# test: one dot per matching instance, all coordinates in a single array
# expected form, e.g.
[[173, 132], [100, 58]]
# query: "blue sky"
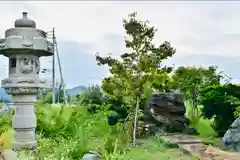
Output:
[[202, 32]]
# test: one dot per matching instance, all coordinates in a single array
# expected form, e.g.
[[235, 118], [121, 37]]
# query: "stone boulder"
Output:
[[92, 155], [8, 155], [231, 138], [166, 111]]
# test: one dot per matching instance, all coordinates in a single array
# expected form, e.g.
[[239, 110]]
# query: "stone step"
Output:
[[188, 142], [182, 139], [196, 148]]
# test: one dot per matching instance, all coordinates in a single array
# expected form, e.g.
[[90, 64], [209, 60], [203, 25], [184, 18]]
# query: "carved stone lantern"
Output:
[[24, 45]]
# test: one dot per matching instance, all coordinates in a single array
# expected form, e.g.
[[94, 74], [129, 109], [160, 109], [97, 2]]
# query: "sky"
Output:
[[202, 32]]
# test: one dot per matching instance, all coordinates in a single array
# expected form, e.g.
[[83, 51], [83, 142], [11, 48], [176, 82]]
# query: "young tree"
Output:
[[133, 74]]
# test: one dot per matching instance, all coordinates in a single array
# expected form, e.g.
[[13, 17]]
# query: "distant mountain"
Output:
[[74, 91]]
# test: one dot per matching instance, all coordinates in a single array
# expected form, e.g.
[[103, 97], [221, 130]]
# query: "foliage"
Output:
[[220, 103], [190, 80], [237, 112], [93, 95], [71, 132], [6, 132], [93, 98], [5, 122], [162, 82], [118, 106], [47, 99], [5, 140], [133, 74]]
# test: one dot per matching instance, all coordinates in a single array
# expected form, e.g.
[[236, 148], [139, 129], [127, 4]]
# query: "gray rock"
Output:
[[8, 155], [91, 156], [231, 138], [167, 112]]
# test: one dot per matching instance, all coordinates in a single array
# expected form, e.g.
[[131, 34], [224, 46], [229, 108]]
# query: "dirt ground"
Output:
[[195, 147]]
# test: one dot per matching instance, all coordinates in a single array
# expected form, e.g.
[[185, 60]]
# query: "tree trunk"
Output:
[[135, 123]]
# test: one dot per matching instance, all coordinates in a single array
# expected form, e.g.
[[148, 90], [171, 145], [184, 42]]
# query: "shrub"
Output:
[[220, 102], [94, 99]]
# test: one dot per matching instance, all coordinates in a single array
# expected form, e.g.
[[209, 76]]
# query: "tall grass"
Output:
[[70, 132], [203, 126]]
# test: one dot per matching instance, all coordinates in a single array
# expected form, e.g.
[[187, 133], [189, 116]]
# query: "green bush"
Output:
[[161, 141], [219, 103], [94, 99]]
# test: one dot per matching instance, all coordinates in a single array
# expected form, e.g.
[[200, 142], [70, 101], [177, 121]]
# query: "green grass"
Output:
[[202, 125], [155, 150]]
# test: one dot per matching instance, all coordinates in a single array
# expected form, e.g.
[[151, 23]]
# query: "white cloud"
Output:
[[84, 21]]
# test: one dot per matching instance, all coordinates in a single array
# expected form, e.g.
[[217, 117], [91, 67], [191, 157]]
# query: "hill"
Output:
[[76, 90]]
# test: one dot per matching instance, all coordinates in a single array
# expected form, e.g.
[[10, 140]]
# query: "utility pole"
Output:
[[53, 69], [62, 84]]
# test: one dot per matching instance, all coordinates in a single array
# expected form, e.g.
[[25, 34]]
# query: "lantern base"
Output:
[[30, 145]]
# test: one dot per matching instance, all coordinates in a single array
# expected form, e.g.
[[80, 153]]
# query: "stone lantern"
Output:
[[24, 45]]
